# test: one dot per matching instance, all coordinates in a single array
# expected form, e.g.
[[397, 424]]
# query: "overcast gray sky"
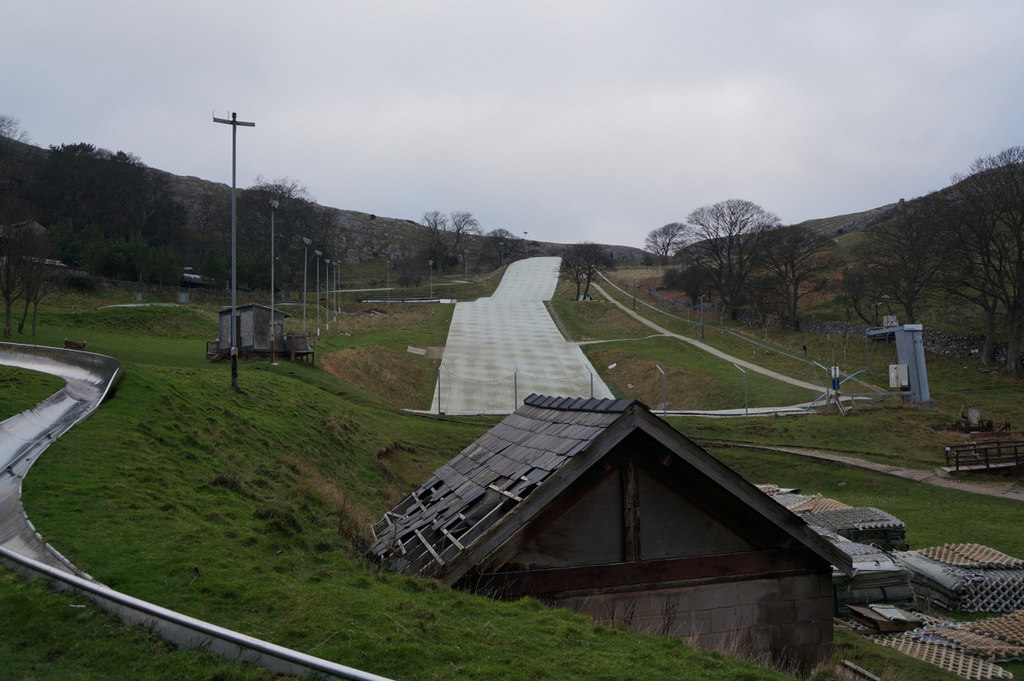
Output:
[[576, 120]]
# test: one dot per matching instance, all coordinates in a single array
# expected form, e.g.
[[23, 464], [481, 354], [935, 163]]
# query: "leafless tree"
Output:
[[729, 238], [462, 225], [580, 264], [988, 240], [10, 128], [435, 237], [666, 240], [38, 275], [792, 257], [906, 256], [446, 237], [15, 254]]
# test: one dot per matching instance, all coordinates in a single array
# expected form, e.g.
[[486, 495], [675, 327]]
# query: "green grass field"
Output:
[[252, 510]]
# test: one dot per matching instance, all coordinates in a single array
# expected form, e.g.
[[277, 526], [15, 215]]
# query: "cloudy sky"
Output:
[[574, 120]]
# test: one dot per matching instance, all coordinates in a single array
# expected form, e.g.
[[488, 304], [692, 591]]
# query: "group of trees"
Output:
[[112, 216], [25, 248], [580, 264], [739, 253], [965, 242], [104, 211], [456, 242]]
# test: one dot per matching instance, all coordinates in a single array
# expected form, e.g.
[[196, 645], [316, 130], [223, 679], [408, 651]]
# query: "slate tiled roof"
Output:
[[467, 495], [434, 532]]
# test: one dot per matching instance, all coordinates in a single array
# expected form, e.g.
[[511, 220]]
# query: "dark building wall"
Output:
[[787, 617]]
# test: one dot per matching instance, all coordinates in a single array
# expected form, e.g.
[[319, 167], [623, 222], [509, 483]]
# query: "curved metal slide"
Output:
[[89, 380]]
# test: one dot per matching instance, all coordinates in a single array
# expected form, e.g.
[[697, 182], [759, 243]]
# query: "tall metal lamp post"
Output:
[[431, 278], [273, 326], [234, 123], [701, 297], [337, 288], [305, 261], [327, 292], [317, 253]]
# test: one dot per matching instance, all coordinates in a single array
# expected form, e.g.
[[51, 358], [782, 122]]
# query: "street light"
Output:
[[431, 278], [702, 316], [387, 281], [273, 328], [317, 253], [234, 123], [337, 286]]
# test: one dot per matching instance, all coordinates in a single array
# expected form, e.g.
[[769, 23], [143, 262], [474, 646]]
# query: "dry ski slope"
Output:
[[501, 349]]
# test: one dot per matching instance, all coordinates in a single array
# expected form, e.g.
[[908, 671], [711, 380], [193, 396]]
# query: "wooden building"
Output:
[[253, 328], [601, 507]]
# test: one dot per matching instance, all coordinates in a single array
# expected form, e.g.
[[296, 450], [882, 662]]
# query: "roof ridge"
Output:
[[592, 404]]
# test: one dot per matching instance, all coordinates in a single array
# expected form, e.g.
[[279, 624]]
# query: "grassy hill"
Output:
[[251, 510]]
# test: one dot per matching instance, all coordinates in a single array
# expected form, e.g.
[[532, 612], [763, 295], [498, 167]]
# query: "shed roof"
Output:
[[485, 494], [278, 312]]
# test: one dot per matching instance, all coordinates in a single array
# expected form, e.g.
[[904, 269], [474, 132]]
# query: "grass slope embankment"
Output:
[[250, 510]]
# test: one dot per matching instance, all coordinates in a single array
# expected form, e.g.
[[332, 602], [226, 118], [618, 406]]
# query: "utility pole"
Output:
[[273, 327], [234, 123], [305, 261], [317, 253]]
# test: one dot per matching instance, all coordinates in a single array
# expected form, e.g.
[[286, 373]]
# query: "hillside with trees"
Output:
[[953, 259]]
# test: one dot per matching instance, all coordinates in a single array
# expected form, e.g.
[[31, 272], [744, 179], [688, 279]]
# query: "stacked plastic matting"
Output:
[[877, 577], [966, 578], [968, 649]]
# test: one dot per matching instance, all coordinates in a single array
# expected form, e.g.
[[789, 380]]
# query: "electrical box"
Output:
[[899, 377]]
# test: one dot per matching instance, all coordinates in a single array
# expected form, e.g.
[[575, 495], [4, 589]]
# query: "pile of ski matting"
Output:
[[877, 577], [968, 649], [966, 578]]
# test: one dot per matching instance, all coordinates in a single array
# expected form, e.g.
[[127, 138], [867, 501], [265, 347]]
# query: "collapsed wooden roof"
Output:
[[474, 503]]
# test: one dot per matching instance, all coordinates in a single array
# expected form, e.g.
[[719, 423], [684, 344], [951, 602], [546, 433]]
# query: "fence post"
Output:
[[439, 387], [515, 387]]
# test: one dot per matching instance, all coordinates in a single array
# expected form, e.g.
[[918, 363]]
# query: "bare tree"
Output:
[[10, 128], [580, 264], [988, 240], [38, 274], [436, 237], [462, 225], [906, 256], [730, 236], [666, 240], [15, 254], [793, 256]]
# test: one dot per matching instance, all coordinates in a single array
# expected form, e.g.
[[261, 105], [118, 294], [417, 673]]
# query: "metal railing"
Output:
[[985, 455]]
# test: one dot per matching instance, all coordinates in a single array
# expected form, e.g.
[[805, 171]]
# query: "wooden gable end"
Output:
[[639, 505], [645, 516]]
